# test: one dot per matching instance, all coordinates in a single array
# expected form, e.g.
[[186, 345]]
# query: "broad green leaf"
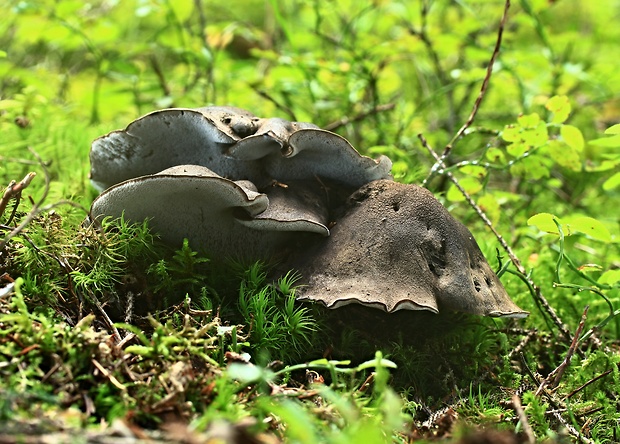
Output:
[[3, 54], [475, 171], [605, 165], [612, 182], [182, 9], [470, 184], [592, 227], [614, 129], [610, 277], [529, 120], [10, 104], [560, 107], [532, 167], [545, 222], [536, 136], [517, 149], [607, 142], [490, 205], [247, 373], [511, 133], [496, 155], [373, 364], [572, 136], [564, 155]]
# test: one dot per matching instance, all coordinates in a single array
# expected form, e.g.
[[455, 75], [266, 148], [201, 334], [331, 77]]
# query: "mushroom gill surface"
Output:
[[396, 247], [213, 213], [234, 144], [171, 137]]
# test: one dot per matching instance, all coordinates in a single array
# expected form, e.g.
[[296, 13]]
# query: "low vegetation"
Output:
[[508, 113]]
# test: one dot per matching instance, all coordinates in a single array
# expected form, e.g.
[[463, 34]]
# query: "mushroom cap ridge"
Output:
[[396, 247]]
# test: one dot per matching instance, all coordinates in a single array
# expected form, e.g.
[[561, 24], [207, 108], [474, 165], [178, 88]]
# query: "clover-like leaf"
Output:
[[529, 120]]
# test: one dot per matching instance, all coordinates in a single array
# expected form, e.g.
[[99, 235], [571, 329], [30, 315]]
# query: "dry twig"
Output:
[[37, 208], [483, 89], [553, 379], [527, 428], [591, 381], [361, 116], [14, 190], [513, 257]]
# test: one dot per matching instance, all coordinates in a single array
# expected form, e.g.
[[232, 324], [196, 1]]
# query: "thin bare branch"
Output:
[[14, 190], [591, 381], [483, 89], [361, 116], [527, 428], [513, 257]]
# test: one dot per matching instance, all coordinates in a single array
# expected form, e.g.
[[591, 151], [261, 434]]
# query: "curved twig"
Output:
[[483, 89]]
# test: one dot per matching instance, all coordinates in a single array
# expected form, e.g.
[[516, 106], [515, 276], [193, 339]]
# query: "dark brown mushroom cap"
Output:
[[215, 214], [396, 247]]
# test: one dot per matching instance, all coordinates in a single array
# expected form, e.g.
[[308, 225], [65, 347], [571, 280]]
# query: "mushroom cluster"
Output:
[[236, 185]]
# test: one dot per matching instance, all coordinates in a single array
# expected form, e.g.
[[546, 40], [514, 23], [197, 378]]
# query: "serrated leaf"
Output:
[[610, 277], [592, 227], [560, 107], [545, 222], [572, 136], [614, 129], [612, 182]]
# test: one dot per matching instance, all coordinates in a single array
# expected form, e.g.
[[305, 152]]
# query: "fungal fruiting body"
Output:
[[250, 188]]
